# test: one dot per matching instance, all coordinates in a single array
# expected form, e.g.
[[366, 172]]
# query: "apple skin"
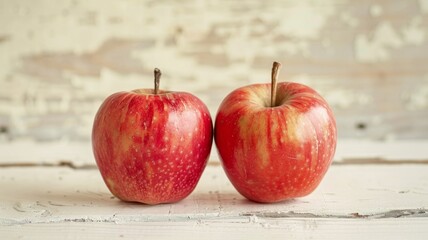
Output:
[[271, 154], [152, 148]]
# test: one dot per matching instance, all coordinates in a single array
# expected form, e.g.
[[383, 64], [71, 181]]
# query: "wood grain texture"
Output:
[[294, 228], [78, 155], [59, 61], [373, 190], [41, 202]]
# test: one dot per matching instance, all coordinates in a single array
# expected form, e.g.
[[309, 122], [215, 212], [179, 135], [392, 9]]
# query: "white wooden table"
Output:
[[375, 190]]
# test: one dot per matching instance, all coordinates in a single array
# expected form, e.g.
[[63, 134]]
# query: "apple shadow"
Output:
[[231, 199], [60, 198]]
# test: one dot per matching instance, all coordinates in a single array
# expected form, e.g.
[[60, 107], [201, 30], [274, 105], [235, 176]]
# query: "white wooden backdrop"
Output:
[[59, 60]]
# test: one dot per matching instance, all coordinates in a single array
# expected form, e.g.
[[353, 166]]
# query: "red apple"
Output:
[[275, 141], [151, 146]]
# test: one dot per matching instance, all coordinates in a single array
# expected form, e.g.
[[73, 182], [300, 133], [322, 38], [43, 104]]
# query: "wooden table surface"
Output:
[[376, 190]]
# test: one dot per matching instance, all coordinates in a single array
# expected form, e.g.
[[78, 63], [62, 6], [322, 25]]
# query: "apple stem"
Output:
[[275, 70], [158, 74]]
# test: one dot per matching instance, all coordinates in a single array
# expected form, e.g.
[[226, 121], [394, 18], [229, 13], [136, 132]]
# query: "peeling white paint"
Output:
[[376, 10], [293, 48], [415, 32], [424, 5], [418, 98], [378, 47], [206, 48], [305, 19], [349, 19], [342, 98]]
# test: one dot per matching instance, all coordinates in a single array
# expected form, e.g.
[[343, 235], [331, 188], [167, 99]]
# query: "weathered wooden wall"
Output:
[[60, 59]]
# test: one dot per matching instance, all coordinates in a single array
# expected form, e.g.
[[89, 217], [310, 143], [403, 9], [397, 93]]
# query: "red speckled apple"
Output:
[[275, 141], [151, 146]]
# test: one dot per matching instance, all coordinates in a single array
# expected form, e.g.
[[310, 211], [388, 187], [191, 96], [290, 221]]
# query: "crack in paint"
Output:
[[381, 215], [345, 161], [252, 217], [378, 161], [62, 163]]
